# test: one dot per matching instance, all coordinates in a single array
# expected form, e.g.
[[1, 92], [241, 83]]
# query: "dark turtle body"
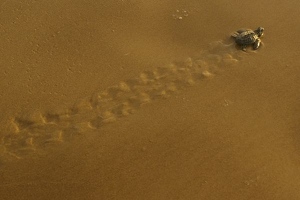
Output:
[[245, 37]]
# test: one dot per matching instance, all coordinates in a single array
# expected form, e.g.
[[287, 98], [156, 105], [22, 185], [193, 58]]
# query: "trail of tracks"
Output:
[[33, 131]]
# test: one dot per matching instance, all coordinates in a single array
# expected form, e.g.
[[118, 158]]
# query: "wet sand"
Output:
[[135, 100]]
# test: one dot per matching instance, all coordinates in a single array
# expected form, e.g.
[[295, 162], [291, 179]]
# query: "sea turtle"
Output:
[[245, 37]]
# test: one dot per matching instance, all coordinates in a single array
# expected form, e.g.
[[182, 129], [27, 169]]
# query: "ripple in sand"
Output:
[[30, 133]]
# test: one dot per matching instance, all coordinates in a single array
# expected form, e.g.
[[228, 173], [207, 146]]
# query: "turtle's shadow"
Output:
[[249, 48]]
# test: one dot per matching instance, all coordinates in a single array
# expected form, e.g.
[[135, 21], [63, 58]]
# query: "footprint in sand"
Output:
[[32, 132]]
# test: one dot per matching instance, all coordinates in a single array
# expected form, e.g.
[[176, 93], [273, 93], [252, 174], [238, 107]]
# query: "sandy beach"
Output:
[[130, 99]]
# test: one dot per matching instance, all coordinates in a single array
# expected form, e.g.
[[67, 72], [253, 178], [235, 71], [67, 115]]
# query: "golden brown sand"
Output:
[[148, 100]]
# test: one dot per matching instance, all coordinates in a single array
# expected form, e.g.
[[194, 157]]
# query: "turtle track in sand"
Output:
[[32, 132]]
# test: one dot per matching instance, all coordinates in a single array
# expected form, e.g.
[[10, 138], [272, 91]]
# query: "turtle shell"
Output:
[[246, 37]]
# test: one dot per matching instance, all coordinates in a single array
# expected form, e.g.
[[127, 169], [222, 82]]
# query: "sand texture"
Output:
[[148, 100], [32, 131]]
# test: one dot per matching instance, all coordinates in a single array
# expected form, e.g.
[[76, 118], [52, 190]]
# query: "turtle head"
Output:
[[259, 31]]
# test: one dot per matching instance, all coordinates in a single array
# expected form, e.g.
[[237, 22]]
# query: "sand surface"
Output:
[[129, 99]]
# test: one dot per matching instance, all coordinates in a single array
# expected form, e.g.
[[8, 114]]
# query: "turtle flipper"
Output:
[[244, 47], [243, 30], [256, 44], [235, 34]]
